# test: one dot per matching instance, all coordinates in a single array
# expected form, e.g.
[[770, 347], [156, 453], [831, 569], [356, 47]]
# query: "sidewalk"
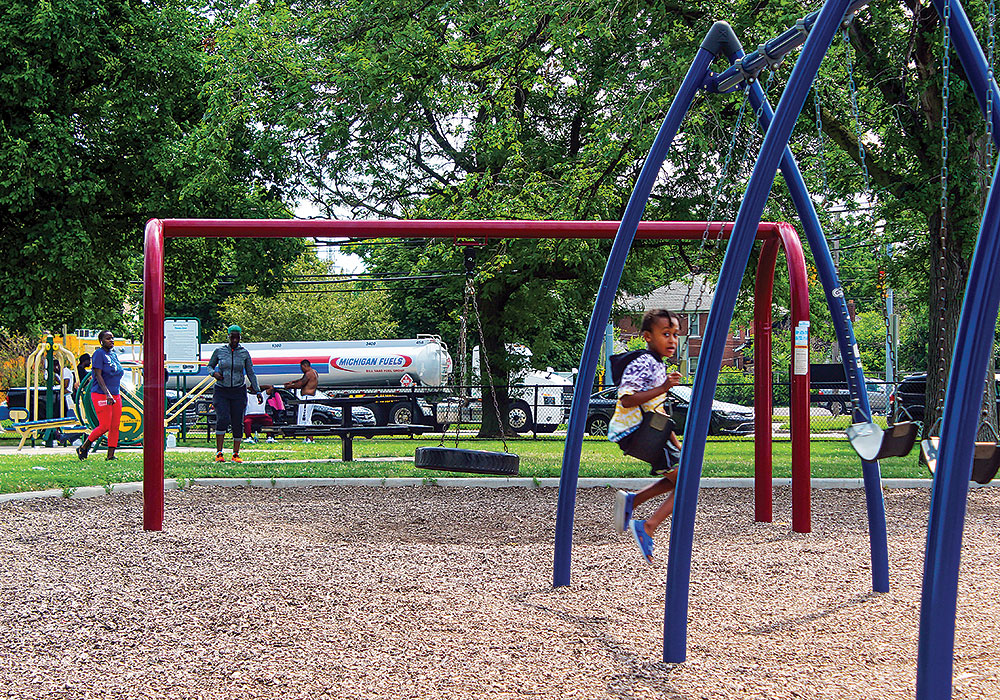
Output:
[[449, 482]]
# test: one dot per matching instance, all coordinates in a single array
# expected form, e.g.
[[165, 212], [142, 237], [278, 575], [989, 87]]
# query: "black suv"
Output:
[[908, 398], [907, 401], [726, 418]]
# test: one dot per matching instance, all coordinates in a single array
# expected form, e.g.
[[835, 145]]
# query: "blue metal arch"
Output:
[[960, 418]]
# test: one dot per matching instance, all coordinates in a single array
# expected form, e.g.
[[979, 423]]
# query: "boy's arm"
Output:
[[641, 397]]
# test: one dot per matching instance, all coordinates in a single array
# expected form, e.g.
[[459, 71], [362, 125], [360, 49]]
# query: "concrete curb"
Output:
[[450, 482]]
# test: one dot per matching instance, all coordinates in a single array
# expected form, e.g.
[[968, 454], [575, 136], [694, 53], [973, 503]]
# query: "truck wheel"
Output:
[[401, 413], [597, 425], [520, 417], [836, 408]]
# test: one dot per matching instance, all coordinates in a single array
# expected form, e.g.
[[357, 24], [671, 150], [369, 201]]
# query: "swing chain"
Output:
[[462, 401], [822, 145], [942, 231], [723, 176], [486, 364], [848, 52], [991, 45]]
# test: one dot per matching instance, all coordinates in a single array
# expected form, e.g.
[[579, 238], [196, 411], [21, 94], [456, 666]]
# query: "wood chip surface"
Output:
[[432, 592]]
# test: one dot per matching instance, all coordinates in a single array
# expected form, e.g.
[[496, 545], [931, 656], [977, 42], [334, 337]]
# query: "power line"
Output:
[[345, 291], [375, 279]]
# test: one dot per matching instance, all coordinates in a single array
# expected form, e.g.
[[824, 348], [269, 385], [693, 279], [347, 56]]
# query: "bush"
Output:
[[14, 351], [735, 386]]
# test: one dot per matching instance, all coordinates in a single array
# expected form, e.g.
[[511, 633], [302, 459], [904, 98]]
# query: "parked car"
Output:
[[726, 418], [909, 398], [838, 400]]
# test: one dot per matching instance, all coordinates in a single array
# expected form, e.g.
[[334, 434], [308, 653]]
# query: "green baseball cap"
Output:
[[235, 329]]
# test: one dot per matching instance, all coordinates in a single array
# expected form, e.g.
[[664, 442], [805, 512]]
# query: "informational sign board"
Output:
[[801, 359], [182, 344]]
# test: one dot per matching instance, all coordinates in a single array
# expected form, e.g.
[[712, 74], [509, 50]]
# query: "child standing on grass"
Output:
[[643, 388]]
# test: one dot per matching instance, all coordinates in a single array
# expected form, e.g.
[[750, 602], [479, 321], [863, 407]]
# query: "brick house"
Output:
[[692, 302]]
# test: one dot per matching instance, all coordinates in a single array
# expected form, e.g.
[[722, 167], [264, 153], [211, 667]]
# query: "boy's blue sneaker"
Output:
[[643, 541], [623, 510]]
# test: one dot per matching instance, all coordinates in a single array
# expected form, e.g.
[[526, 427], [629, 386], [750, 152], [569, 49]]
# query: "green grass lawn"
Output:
[[33, 470]]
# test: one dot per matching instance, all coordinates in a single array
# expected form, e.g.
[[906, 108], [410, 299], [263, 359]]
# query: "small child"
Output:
[[643, 387]]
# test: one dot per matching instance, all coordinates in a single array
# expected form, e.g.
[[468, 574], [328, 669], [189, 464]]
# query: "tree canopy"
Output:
[[97, 119], [297, 312], [116, 112]]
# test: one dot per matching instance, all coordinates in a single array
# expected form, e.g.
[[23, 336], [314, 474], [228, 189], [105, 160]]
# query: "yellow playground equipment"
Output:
[[130, 429], [41, 355]]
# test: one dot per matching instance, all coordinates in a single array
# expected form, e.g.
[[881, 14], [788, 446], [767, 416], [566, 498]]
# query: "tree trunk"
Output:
[[948, 271], [494, 369]]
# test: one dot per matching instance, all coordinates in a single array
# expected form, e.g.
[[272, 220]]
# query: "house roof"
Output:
[[683, 296]]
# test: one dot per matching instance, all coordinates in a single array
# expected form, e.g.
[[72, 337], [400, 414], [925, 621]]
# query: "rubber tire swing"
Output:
[[453, 459]]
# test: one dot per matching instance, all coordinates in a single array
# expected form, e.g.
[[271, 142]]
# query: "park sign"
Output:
[[182, 345]]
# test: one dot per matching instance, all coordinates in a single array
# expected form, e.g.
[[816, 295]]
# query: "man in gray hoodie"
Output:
[[231, 366]]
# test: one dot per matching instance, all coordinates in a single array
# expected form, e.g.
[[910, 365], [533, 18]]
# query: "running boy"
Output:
[[643, 387]]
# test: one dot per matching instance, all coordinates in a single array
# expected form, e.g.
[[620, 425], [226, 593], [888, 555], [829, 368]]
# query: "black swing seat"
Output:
[[985, 459], [872, 443], [453, 459]]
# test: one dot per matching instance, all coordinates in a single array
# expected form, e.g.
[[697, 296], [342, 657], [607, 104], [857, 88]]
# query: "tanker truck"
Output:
[[396, 374], [400, 376]]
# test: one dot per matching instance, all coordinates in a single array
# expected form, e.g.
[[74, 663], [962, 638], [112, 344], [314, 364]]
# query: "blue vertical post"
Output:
[[602, 311], [720, 317], [960, 418], [973, 343], [877, 537]]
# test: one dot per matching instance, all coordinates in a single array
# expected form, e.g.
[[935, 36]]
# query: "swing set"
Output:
[[774, 237], [974, 338]]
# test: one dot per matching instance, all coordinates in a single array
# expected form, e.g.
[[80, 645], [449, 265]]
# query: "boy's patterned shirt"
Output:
[[641, 374]]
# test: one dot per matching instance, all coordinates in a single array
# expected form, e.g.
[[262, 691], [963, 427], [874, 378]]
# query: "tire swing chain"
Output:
[[456, 459], [471, 293]]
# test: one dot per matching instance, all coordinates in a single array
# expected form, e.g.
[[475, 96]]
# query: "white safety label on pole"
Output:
[[801, 348]]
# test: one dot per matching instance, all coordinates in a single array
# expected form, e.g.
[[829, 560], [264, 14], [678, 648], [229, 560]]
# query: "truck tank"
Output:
[[353, 363]]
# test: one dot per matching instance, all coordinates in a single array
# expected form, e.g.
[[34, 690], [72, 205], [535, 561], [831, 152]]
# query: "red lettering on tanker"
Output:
[[383, 363]]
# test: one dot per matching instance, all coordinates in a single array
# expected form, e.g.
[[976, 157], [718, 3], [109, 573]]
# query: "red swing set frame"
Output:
[[773, 236]]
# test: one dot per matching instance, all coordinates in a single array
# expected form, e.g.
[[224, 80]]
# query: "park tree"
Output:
[[477, 111], [894, 56], [300, 311], [97, 120]]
